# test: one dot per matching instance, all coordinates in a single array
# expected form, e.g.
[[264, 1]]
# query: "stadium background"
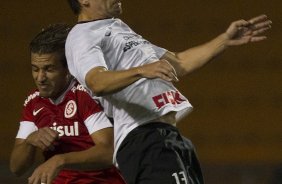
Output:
[[236, 125]]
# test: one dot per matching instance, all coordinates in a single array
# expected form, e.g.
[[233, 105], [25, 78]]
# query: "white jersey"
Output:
[[112, 44]]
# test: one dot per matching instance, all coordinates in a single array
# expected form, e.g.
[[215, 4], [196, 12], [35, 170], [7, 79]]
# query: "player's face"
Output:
[[107, 8], [49, 74]]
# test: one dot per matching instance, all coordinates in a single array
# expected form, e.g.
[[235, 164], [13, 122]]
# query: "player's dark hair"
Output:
[[75, 6], [50, 40]]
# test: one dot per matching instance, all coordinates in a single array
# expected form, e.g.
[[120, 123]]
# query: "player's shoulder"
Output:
[[82, 96], [33, 95], [80, 92], [92, 29], [78, 88], [80, 38]]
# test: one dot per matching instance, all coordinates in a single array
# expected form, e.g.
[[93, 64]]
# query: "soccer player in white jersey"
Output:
[[61, 119], [135, 77]]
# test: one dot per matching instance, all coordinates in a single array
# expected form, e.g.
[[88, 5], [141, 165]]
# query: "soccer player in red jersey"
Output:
[[60, 118]]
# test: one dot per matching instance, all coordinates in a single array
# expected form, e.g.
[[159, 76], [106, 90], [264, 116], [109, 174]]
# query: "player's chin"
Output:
[[116, 12], [45, 94]]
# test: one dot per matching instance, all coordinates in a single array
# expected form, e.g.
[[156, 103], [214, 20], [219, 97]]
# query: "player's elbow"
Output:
[[19, 167], [108, 159], [107, 155], [96, 88], [95, 81], [15, 169]]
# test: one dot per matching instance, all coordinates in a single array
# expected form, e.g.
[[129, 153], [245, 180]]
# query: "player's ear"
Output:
[[84, 2], [69, 76]]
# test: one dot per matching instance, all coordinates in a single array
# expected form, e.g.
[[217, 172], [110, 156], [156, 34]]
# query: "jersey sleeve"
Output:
[[91, 58], [27, 125], [92, 113], [25, 129], [83, 52], [159, 50], [97, 121]]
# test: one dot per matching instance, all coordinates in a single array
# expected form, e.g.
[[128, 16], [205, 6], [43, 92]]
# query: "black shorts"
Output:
[[156, 153]]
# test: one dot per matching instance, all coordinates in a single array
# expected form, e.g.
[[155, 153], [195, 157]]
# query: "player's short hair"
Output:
[[75, 6], [51, 39]]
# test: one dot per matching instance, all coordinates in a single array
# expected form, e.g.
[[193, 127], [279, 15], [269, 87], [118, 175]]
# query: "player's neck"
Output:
[[86, 17], [60, 96]]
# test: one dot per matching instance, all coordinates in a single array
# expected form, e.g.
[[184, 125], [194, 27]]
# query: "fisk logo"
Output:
[[169, 97], [66, 130]]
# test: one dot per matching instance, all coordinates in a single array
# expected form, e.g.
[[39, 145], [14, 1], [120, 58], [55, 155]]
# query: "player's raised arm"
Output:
[[238, 33]]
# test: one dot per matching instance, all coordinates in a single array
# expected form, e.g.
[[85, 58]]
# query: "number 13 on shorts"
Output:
[[180, 177]]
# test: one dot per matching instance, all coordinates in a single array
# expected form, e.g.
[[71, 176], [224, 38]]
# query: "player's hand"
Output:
[[43, 138], [244, 31], [46, 172], [159, 69]]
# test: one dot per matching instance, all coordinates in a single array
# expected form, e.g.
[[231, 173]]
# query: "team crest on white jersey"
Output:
[[70, 109]]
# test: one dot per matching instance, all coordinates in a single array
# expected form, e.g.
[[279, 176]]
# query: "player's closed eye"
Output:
[[34, 69], [50, 70]]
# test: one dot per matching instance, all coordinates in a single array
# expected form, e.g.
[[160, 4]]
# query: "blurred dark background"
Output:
[[236, 123]]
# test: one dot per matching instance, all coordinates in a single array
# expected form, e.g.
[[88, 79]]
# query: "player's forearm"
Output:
[[191, 59], [22, 158], [95, 158], [107, 82]]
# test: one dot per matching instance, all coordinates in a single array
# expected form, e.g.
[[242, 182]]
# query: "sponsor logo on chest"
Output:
[[133, 41], [66, 130]]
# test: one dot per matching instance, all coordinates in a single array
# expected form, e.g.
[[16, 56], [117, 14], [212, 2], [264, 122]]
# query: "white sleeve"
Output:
[[97, 122], [26, 128], [83, 52], [88, 60], [159, 50]]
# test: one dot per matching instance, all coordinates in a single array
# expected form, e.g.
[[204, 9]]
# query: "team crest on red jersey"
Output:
[[70, 109]]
